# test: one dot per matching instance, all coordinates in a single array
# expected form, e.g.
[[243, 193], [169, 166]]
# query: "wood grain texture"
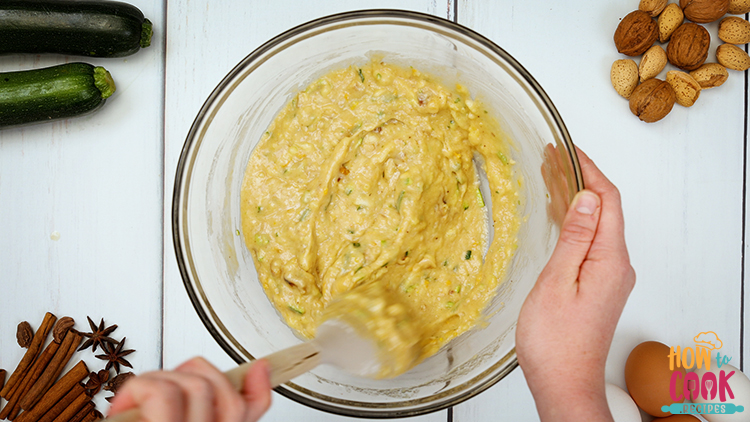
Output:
[[681, 180], [85, 203], [81, 207]]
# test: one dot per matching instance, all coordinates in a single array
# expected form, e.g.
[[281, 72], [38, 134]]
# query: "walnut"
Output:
[[636, 33], [24, 334], [652, 100], [688, 46], [704, 11], [61, 328]]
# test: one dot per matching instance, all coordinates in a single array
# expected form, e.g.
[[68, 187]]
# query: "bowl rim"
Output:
[[184, 167]]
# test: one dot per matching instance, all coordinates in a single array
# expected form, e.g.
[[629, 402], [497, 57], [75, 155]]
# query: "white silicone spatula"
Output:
[[367, 331], [337, 343]]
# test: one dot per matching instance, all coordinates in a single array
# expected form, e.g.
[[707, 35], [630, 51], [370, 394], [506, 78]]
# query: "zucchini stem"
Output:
[[147, 30], [104, 82]]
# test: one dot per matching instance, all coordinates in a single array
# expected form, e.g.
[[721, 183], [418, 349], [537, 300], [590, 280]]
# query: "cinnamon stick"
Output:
[[72, 408], [37, 366], [54, 368], [43, 359], [63, 403], [55, 393], [31, 353], [14, 397], [85, 410], [92, 416], [2, 379]]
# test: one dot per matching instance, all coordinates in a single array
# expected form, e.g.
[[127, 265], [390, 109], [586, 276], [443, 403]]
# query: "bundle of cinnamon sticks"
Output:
[[36, 392]]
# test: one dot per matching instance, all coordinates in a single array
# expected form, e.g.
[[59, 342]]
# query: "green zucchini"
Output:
[[52, 93], [81, 28]]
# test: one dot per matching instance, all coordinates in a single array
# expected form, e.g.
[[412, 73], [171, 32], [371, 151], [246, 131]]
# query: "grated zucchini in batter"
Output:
[[367, 178]]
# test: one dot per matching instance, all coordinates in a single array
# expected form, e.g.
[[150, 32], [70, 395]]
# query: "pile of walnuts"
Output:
[[687, 49]]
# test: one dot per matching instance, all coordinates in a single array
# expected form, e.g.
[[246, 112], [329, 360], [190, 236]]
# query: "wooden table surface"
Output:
[[85, 202]]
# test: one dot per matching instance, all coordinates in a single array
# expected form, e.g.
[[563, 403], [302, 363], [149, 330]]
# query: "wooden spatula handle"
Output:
[[285, 365], [289, 363]]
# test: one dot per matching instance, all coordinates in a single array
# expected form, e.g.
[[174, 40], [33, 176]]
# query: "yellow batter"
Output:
[[367, 178]]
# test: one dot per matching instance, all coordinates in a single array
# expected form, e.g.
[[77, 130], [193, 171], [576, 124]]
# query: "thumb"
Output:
[[576, 235]]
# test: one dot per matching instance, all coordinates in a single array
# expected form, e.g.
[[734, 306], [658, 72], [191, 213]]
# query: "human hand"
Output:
[[194, 392], [568, 320]]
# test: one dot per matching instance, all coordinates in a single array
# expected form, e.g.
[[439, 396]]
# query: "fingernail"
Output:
[[586, 203]]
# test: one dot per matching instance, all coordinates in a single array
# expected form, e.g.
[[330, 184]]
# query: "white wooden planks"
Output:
[[681, 180], [104, 183], [96, 182]]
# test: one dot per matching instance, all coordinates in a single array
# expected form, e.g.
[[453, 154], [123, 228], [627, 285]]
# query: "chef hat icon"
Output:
[[708, 340]]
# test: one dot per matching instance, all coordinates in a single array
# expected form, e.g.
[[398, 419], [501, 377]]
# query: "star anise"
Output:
[[115, 356], [96, 381], [115, 383], [99, 336]]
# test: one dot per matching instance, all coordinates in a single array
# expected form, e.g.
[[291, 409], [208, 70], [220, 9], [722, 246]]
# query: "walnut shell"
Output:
[[652, 7], [688, 46], [652, 100], [636, 33], [704, 11]]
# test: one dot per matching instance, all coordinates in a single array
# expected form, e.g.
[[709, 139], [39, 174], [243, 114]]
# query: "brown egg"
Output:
[[677, 418], [647, 376]]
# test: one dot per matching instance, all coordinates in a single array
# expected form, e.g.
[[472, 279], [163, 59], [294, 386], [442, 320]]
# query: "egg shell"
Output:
[[678, 418], [647, 376], [621, 405], [740, 385]]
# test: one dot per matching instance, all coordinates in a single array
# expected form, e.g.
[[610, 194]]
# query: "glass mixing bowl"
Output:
[[218, 269]]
